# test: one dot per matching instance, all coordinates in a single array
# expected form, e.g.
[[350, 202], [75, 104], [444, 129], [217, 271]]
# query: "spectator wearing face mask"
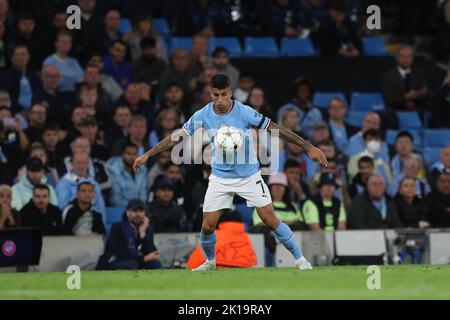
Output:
[[357, 143], [373, 144]]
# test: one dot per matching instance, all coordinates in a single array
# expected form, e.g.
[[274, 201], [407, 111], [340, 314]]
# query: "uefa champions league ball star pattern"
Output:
[[228, 139]]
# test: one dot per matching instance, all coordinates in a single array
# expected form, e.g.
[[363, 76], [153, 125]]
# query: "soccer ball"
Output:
[[228, 139]]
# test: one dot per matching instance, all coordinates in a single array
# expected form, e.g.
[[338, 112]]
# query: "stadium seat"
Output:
[[230, 43], [391, 135], [294, 47], [321, 99], [355, 118], [260, 47], [367, 101], [162, 27], [431, 155], [181, 43], [374, 46], [409, 120], [437, 137], [113, 214], [125, 26]]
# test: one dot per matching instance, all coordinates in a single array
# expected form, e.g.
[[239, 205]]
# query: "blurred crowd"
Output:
[[77, 108]]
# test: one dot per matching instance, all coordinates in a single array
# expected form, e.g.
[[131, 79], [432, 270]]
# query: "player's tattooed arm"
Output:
[[290, 136], [165, 144], [313, 152]]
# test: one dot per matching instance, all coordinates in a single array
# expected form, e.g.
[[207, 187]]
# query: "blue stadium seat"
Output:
[[437, 137], [294, 47], [367, 101], [374, 46], [391, 135], [321, 99], [230, 43], [181, 43], [355, 118], [162, 27], [125, 26], [260, 47], [431, 155], [409, 120], [113, 214]]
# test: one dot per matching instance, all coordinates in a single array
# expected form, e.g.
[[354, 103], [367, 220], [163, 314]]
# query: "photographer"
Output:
[[130, 243]]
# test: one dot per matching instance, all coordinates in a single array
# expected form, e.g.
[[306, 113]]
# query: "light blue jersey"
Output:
[[242, 163]]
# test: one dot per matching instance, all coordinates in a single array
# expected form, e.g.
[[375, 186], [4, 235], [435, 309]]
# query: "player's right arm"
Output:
[[165, 144], [170, 141]]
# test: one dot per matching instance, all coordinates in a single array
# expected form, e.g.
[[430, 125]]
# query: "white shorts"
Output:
[[220, 192]]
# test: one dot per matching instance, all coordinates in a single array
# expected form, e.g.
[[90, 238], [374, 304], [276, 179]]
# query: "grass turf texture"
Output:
[[397, 282]]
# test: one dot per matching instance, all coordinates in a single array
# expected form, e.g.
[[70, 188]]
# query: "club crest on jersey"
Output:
[[9, 248]]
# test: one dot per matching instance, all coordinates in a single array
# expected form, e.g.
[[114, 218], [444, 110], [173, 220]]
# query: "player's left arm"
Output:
[[313, 152]]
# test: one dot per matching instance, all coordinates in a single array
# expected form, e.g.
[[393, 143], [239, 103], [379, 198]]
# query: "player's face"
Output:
[[221, 98]]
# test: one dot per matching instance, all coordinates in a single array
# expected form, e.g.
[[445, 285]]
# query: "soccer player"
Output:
[[229, 179]]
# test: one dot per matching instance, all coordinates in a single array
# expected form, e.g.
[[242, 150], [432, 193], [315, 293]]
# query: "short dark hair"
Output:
[[219, 50], [174, 84], [167, 165], [403, 134], [374, 133], [51, 126], [26, 16], [366, 159], [84, 183], [128, 145], [41, 186], [291, 163], [121, 42], [147, 42], [327, 142], [220, 81]]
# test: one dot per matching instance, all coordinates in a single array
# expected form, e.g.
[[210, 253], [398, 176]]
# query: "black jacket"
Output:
[[10, 81], [439, 207], [50, 222], [122, 245], [167, 218], [362, 214], [411, 214], [72, 213], [329, 39]]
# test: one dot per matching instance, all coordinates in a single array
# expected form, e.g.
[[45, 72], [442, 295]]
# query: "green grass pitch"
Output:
[[397, 282]]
